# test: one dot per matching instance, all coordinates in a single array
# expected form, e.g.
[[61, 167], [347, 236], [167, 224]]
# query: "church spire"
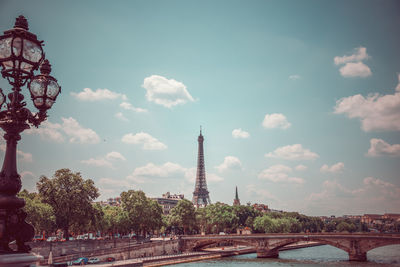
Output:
[[236, 201]]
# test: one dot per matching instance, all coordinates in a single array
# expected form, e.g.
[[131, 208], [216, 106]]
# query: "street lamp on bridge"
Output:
[[21, 54]]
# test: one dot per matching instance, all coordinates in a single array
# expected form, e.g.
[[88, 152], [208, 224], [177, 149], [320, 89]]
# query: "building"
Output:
[[201, 197], [261, 207], [236, 200], [168, 201], [372, 218], [116, 201]]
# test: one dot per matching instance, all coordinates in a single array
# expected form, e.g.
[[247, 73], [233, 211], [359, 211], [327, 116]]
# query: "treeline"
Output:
[[66, 202]]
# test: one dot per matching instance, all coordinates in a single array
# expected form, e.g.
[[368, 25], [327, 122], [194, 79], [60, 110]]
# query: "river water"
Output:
[[312, 257]]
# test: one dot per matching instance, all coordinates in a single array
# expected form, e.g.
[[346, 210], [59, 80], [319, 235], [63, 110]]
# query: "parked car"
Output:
[[38, 238], [80, 261], [93, 260], [109, 259], [51, 239]]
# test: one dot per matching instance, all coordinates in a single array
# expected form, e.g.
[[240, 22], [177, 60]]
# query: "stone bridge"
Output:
[[268, 245]]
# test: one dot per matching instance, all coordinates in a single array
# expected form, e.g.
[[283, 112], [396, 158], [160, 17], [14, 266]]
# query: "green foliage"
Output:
[[221, 218], [144, 214], [70, 196], [40, 215], [183, 215], [344, 226]]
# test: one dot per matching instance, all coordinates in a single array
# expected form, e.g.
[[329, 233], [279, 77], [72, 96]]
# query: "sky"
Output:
[[299, 101]]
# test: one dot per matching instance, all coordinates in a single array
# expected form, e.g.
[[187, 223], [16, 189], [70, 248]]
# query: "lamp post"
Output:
[[21, 54]]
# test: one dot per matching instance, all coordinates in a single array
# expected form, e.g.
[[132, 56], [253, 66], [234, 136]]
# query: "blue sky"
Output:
[[299, 100]]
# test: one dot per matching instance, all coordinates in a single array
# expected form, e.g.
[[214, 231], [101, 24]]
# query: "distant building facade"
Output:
[[261, 207], [168, 201]]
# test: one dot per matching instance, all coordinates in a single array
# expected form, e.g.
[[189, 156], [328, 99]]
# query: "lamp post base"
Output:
[[20, 260]]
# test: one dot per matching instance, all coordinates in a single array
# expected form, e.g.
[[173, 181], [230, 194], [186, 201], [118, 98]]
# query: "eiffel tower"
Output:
[[201, 197]]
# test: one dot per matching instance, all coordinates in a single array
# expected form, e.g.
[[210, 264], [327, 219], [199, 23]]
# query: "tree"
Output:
[[221, 217], [246, 215], [183, 215], [70, 196], [144, 213], [40, 215]]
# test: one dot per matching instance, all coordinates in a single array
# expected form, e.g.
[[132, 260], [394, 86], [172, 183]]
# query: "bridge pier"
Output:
[[267, 253], [361, 256]]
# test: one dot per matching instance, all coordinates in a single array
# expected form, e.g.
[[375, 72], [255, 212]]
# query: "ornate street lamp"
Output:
[[21, 54]]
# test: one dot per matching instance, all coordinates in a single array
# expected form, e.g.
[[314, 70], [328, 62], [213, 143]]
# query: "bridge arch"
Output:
[[205, 243], [284, 243]]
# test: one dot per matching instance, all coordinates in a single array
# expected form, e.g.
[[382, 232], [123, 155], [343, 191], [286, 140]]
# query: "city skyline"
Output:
[[299, 101]]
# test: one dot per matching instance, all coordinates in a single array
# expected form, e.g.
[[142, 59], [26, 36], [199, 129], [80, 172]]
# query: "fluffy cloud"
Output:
[[376, 112], [120, 116], [275, 120], [77, 133], [145, 139], [381, 148], [279, 173], [88, 94], [167, 93], [353, 65], [113, 155], [260, 193], [370, 197], [357, 69], [230, 163], [359, 55], [335, 168], [128, 106], [301, 167], [147, 173], [105, 161], [48, 131], [292, 152], [70, 127], [239, 133], [294, 77]]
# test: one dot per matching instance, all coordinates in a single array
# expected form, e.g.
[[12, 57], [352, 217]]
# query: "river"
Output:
[[313, 256]]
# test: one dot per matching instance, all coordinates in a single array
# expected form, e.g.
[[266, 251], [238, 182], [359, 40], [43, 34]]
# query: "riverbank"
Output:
[[219, 252]]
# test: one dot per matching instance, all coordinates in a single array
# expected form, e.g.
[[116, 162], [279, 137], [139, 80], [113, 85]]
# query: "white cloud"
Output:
[[292, 152], [230, 163], [370, 197], [114, 155], [105, 161], [147, 173], [294, 77], [120, 116], [353, 65], [48, 130], [114, 183], [357, 69], [381, 148], [261, 193], [88, 94], [275, 120], [145, 139], [167, 93], [128, 106], [376, 112], [279, 173], [75, 132], [239, 133], [359, 55], [335, 168], [301, 167], [79, 134]]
